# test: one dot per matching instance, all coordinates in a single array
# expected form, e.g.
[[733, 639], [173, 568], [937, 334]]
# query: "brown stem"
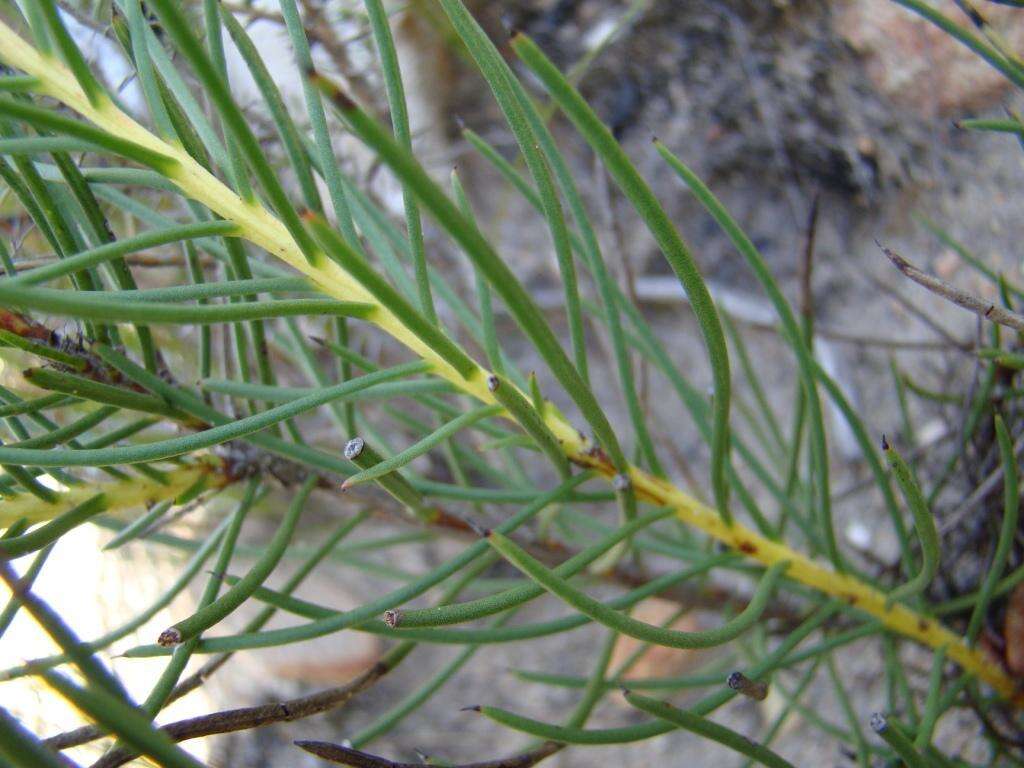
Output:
[[244, 718], [76, 737], [320, 29], [807, 264], [980, 307], [336, 753], [26, 327]]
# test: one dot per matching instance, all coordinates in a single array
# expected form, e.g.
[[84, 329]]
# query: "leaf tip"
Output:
[[898, 261]]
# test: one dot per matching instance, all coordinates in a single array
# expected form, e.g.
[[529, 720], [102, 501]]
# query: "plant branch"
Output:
[[244, 718], [335, 753], [548, 551], [982, 308], [257, 224], [320, 29], [118, 494]]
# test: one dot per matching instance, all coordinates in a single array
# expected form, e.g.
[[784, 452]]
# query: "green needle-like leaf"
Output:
[[211, 614], [179, 446], [898, 740], [1007, 529], [22, 748], [441, 434], [708, 729], [51, 531], [924, 523], [629, 626], [124, 720], [87, 306], [668, 238], [50, 120], [120, 248]]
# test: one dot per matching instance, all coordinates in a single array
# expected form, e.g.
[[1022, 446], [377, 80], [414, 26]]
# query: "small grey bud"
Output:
[[878, 722], [354, 447]]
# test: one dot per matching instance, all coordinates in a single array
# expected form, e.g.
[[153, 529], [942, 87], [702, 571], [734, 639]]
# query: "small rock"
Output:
[[919, 66], [866, 146], [859, 535]]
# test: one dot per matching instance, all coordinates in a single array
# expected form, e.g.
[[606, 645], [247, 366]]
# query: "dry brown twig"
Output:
[[983, 489], [981, 307], [807, 262], [319, 27], [355, 758], [244, 718]]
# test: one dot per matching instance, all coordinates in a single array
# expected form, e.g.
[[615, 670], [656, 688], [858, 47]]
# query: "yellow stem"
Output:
[[262, 228], [120, 495], [895, 616]]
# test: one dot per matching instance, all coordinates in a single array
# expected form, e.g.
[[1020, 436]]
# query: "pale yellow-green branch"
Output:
[[262, 228], [119, 494]]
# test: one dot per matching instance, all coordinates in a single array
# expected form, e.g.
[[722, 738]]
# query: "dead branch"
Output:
[[336, 753], [245, 718], [320, 29], [807, 263], [982, 308]]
